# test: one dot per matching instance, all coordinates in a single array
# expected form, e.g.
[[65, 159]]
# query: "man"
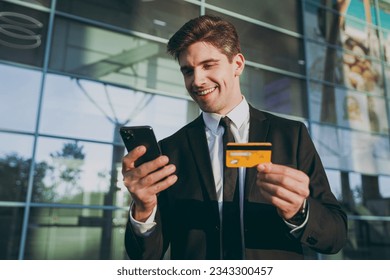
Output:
[[178, 198]]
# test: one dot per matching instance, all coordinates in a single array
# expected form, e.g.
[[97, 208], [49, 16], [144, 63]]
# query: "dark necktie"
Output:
[[231, 230]]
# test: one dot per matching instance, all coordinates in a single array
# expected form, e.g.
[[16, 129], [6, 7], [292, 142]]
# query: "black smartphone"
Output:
[[134, 136]]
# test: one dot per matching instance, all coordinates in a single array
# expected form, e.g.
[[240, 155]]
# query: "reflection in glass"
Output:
[[284, 14], [274, 92], [15, 164], [44, 3], [269, 47], [11, 219], [368, 231], [335, 183], [352, 109], [353, 17], [368, 239], [368, 227], [351, 59], [348, 70], [131, 61], [387, 73], [75, 234], [349, 150], [91, 110], [384, 187], [159, 18], [18, 101], [81, 173], [23, 34]]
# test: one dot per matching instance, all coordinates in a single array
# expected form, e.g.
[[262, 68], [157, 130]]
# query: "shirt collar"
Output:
[[238, 116]]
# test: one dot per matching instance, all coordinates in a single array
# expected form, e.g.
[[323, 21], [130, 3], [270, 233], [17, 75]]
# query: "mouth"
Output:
[[205, 92]]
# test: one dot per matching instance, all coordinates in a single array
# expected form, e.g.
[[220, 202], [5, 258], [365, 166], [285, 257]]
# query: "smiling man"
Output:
[[180, 199]]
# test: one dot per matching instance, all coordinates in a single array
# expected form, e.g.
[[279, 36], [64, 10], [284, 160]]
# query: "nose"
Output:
[[199, 78]]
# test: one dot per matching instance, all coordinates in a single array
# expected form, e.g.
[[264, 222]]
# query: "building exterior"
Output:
[[73, 71]]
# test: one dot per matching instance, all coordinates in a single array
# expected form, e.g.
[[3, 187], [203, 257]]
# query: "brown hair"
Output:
[[210, 29]]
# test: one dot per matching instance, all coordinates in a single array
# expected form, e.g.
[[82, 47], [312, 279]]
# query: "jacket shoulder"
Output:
[[275, 120]]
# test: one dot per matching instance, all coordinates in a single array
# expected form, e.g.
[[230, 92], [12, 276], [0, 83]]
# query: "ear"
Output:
[[239, 63]]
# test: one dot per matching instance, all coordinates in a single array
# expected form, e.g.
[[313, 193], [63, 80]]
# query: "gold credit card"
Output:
[[247, 154]]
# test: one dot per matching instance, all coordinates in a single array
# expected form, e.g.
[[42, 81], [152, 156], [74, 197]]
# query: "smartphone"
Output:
[[134, 136]]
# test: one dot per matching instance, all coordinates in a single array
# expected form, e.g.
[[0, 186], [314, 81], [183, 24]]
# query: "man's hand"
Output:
[[146, 181], [284, 187]]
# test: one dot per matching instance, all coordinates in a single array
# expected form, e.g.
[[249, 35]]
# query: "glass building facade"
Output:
[[73, 71]]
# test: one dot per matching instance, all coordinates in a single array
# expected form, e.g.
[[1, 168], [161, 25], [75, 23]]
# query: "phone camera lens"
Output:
[[129, 134]]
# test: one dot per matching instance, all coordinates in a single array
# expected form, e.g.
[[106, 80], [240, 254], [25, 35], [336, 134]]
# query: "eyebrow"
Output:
[[185, 67]]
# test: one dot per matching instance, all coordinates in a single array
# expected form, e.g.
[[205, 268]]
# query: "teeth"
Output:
[[204, 92]]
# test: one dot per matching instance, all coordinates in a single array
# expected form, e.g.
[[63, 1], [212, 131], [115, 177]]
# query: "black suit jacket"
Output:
[[188, 218]]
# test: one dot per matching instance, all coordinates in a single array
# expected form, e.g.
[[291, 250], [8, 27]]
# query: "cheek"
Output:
[[187, 83]]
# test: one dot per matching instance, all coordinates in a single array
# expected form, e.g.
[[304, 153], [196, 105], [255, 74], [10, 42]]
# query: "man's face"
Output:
[[210, 79]]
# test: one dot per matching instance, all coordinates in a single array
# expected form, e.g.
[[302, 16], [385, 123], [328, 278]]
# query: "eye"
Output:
[[187, 72], [209, 65]]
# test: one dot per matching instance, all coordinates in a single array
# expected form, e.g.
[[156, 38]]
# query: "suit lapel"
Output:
[[200, 152], [258, 131]]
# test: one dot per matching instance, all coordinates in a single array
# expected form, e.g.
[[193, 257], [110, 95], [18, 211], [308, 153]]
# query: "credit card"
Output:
[[248, 154]]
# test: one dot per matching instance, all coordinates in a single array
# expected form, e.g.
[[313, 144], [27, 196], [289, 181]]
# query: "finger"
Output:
[[287, 185], [287, 205], [151, 166], [292, 179], [144, 169], [277, 191], [129, 159], [280, 203], [264, 167], [166, 183], [268, 168], [154, 177], [285, 171]]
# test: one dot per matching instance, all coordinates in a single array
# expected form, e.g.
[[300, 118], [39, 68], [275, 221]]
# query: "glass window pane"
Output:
[[75, 234], [384, 7], [362, 10], [43, 3], [345, 68], [11, 219], [15, 164], [335, 183], [387, 73], [316, 22], [274, 92], [369, 225], [349, 150], [88, 51], [333, 24], [386, 45], [384, 187], [152, 17], [369, 239], [363, 199], [91, 110], [284, 14], [269, 47], [80, 173], [18, 101], [349, 109], [23, 34]]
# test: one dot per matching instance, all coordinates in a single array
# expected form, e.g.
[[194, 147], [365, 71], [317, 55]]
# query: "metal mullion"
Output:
[[36, 134]]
